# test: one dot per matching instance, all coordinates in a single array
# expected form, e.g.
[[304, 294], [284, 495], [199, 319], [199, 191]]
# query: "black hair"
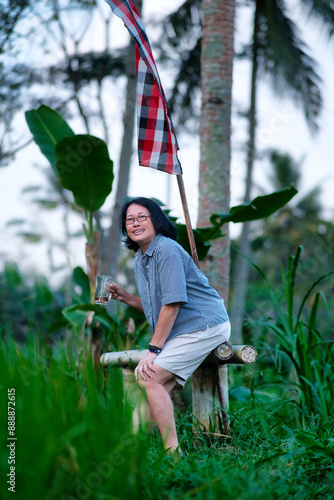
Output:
[[161, 223]]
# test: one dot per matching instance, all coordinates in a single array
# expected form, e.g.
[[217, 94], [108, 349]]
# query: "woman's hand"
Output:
[[118, 292], [145, 366]]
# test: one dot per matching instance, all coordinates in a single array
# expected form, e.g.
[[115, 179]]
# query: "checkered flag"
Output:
[[157, 144]]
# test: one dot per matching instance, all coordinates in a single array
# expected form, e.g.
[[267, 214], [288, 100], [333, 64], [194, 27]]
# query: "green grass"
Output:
[[73, 429], [75, 440], [258, 462]]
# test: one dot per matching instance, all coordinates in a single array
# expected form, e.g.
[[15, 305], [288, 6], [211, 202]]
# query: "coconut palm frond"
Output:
[[283, 57]]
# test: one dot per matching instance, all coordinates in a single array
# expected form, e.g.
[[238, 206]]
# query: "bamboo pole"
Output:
[[222, 388], [187, 219], [243, 354], [224, 351], [223, 354]]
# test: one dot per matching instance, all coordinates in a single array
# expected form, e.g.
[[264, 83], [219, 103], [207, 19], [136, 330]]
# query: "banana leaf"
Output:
[[84, 167], [260, 207], [48, 127], [76, 315]]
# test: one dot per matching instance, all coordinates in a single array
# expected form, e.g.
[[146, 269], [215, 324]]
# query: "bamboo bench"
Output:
[[209, 382]]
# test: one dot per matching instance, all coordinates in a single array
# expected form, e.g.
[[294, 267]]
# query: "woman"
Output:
[[187, 316]]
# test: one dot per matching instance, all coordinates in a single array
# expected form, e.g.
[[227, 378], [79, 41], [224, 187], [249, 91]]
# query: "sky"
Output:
[[281, 125]]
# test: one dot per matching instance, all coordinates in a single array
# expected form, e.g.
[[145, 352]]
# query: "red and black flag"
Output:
[[157, 144]]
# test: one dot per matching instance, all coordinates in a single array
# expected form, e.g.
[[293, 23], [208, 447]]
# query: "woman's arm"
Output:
[[165, 323], [119, 293]]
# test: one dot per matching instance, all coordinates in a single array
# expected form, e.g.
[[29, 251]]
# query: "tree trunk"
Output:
[[242, 265], [110, 247], [215, 129]]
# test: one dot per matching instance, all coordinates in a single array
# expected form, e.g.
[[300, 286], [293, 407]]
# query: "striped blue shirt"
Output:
[[165, 274]]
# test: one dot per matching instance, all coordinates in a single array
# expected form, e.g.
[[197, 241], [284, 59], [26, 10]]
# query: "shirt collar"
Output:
[[151, 248], [153, 245]]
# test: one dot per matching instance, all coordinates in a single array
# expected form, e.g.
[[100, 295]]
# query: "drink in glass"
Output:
[[102, 294]]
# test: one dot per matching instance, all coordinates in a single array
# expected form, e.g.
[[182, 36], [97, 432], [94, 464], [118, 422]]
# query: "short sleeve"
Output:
[[172, 279]]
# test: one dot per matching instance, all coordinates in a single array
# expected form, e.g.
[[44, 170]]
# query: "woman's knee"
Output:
[[148, 384], [141, 383]]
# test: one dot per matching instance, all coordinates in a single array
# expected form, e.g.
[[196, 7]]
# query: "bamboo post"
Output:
[[203, 396], [187, 219], [207, 385]]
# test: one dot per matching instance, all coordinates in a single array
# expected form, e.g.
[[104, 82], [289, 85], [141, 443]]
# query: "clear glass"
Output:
[[102, 294]]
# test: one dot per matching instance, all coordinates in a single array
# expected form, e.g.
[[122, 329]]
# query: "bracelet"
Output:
[[154, 348]]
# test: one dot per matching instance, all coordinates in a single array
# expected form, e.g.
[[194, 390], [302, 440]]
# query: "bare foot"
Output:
[[175, 451]]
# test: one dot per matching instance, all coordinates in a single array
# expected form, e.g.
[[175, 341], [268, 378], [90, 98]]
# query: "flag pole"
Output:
[[187, 218]]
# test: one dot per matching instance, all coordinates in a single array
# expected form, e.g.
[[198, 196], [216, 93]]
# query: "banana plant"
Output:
[[82, 165], [259, 208], [116, 331]]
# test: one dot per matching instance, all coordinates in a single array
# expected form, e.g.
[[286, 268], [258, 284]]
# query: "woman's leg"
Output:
[[142, 412], [160, 404]]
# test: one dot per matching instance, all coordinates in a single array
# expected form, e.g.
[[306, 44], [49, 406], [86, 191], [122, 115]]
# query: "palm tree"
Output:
[[198, 38], [215, 130], [278, 53]]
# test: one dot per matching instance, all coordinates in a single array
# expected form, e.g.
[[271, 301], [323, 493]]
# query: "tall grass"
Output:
[[73, 428], [309, 351], [75, 441], [75, 438]]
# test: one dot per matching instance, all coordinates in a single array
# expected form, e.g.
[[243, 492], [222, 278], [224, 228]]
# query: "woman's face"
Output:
[[140, 232]]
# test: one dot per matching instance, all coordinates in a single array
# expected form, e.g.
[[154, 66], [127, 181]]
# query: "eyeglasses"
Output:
[[131, 220]]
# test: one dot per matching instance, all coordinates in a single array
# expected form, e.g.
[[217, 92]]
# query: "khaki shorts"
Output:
[[182, 354]]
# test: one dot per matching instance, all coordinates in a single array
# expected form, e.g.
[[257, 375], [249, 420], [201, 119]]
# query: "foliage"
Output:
[[260, 207], [57, 70], [81, 443], [281, 54], [273, 240], [84, 167], [302, 354], [121, 329], [81, 162], [29, 306], [310, 353], [74, 433], [48, 127]]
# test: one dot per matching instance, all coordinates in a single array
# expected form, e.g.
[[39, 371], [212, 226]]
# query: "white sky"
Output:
[[280, 125]]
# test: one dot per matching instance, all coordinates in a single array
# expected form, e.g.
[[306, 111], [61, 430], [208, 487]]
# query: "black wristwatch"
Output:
[[154, 348]]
